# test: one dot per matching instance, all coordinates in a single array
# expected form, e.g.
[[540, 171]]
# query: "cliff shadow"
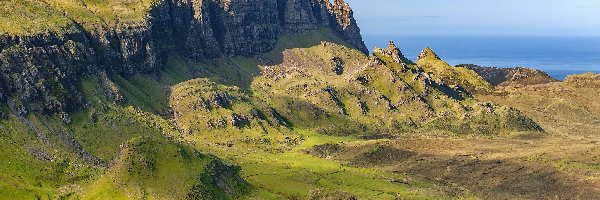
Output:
[[241, 71]]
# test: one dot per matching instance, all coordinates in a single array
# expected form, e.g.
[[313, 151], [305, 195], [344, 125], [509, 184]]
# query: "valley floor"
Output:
[[490, 168]]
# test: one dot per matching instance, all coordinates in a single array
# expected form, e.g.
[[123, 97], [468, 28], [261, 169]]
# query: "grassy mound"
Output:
[[207, 111], [27, 17], [159, 169]]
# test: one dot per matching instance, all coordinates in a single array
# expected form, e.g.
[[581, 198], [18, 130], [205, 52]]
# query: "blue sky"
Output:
[[478, 17]]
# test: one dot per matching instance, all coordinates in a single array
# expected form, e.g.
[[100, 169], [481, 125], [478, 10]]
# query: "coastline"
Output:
[[559, 56]]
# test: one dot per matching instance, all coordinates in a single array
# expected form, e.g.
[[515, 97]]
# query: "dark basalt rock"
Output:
[[3, 115], [239, 121], [42, 72], [220, 179], [221, 99], [211, 29], [393, 52], [66, 118], [338, 65]]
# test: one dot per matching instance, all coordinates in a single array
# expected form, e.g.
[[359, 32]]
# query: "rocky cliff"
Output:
[[43, 67], [511, 76]]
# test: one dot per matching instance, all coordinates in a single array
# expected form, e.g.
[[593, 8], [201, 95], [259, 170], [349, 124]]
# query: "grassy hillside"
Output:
[[568, 107], [150, 168], [26, 17], [230, 113], [109, 142]]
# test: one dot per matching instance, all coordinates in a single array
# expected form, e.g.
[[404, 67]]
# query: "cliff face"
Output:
[[45, 68], [42, 72], [210, 29]]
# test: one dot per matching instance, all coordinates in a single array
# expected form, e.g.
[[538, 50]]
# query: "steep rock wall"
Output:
[[44, 69], [205, 29], [41, 72]]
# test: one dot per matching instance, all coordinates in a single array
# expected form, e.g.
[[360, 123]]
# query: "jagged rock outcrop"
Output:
[[44, 69], [426, 53], [464, 78], [376, 95], [346, 24], [41, 71], [393, 52], [511, 76]]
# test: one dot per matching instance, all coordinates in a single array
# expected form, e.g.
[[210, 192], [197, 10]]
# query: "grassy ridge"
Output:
[[297, 81], [453, 75], [29, 17], [562, 107]]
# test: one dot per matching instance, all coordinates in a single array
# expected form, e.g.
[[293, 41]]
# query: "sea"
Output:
[[559, 56]]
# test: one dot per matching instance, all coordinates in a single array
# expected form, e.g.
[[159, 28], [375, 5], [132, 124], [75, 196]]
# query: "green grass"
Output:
[[25, 176], [145, 93], [102, 129], [160, 169], [293, 174], [27, 17], [454, 75], [30, 17], [22, 175]]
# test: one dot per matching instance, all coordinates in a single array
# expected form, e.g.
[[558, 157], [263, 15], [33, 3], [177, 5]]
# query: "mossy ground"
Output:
[[293, 174]]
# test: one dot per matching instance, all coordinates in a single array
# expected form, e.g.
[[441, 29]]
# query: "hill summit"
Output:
[[428, 53]]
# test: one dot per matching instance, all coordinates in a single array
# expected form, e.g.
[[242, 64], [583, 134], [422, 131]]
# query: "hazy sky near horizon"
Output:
[[477, 17]]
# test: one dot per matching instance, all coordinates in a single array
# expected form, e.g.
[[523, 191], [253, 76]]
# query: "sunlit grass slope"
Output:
[[28, 17], [431, 63], [149, 168], [111, 141]]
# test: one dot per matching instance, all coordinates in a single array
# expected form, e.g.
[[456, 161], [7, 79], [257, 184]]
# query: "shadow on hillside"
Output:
[[240, 71]]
